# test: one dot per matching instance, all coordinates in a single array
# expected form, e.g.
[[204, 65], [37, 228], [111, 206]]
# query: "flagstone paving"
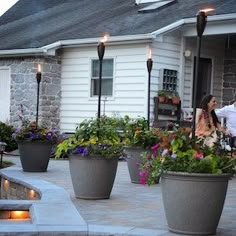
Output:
[[131, 205]]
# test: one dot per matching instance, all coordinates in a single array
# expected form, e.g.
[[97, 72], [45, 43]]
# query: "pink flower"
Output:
[[198, 155], [143, 176], [155, 148], [143, 181]]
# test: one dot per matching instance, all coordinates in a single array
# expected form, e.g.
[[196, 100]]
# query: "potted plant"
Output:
[[194, 180], [175, 98], [161, 94], [94, 151], [35, 145], [137, 138]]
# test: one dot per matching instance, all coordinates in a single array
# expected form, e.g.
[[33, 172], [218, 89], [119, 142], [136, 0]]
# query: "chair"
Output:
[[232, 144]]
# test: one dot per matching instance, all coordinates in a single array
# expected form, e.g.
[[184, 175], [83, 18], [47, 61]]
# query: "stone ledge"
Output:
[[54, 213]]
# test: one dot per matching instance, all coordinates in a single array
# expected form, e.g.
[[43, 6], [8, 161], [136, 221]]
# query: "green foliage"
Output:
[[137, 133], [178, 152], [167, 93], [94, 137], [6, 132]]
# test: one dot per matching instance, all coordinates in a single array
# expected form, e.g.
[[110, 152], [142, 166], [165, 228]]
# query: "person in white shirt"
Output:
[[229, 113]]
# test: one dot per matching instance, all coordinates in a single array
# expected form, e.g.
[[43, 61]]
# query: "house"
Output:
[[62, 36]]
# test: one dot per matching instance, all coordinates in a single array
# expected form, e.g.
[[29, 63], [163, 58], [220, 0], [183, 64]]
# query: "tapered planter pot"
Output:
[[34, 156], [134, 158], [92, 177], [193, 202]]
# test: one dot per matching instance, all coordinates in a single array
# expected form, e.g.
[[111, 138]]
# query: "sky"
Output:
[[5, 5]]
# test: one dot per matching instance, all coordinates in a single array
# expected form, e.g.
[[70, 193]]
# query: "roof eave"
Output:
[[51, 48], [192, 20], [22, 52], [112, 40]]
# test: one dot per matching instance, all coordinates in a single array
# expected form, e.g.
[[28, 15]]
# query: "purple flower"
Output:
[[33, 135], [164, 153], [85, 151], [49, 136], [173, 156], [79, 150]]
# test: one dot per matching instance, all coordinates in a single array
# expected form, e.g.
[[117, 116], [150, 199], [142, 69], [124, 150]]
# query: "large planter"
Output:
[[193, 202], [92, 177], [34, 156], [134, 158]]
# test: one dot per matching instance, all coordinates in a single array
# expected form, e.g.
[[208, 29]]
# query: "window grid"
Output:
[[169, 80]]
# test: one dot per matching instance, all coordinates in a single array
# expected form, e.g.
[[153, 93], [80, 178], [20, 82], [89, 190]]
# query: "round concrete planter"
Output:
[[134, 158], [92, 177], [34, 156], [193, 202]]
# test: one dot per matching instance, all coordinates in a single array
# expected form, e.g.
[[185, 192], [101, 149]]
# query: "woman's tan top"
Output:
[[204, 123]]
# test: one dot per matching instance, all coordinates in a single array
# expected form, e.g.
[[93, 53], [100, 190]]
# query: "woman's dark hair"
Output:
[[204, 105]]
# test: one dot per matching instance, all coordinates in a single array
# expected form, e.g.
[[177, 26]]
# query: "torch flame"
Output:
[[206, 10], [39, 68], [150, 54], [105, 38]]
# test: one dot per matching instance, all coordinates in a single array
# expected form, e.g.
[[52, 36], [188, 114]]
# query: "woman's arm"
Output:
[[198, 115]]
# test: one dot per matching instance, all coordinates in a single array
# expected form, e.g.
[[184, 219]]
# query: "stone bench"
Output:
[[52, 211]]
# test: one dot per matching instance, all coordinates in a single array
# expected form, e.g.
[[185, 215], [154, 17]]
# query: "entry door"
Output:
[[4, 94], [204, 78]]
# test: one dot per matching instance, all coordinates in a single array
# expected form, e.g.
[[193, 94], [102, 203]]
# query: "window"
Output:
[[107, 77], [169, 79]]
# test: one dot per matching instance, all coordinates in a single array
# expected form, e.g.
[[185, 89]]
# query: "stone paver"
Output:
[[132, 208]]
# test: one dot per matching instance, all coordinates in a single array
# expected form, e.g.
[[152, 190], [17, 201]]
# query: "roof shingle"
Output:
[[36, 23]]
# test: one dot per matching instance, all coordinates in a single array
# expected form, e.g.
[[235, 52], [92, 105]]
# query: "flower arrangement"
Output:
[[29, 132], [177, 152], [94, 137], [137, 133]]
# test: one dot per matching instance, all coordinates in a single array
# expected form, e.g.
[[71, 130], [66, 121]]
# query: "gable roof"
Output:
[[36, 23]]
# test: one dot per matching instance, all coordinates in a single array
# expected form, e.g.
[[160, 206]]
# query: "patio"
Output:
[[133, 209]]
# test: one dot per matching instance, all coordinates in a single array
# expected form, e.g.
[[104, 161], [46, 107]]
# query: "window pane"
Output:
[[107, 68], [95, 68], [107, 87]]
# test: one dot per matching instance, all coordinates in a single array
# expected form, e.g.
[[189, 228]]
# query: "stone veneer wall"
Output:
[[229, 78], [24, 89], [16, 191]]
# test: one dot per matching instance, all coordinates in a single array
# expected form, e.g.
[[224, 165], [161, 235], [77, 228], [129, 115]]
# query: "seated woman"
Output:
[[206, 120]]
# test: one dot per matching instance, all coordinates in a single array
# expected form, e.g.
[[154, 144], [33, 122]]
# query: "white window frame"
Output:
[[103, 78]]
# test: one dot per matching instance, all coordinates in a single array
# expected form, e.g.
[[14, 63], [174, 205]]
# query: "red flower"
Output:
[[198, 155]]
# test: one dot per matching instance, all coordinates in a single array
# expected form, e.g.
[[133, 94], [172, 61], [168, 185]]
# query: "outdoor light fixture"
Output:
[[19, 215], [6, 184], [2, 149], [101, 51], [201, 24], [31, 194], [149, 68], [38, 78]]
